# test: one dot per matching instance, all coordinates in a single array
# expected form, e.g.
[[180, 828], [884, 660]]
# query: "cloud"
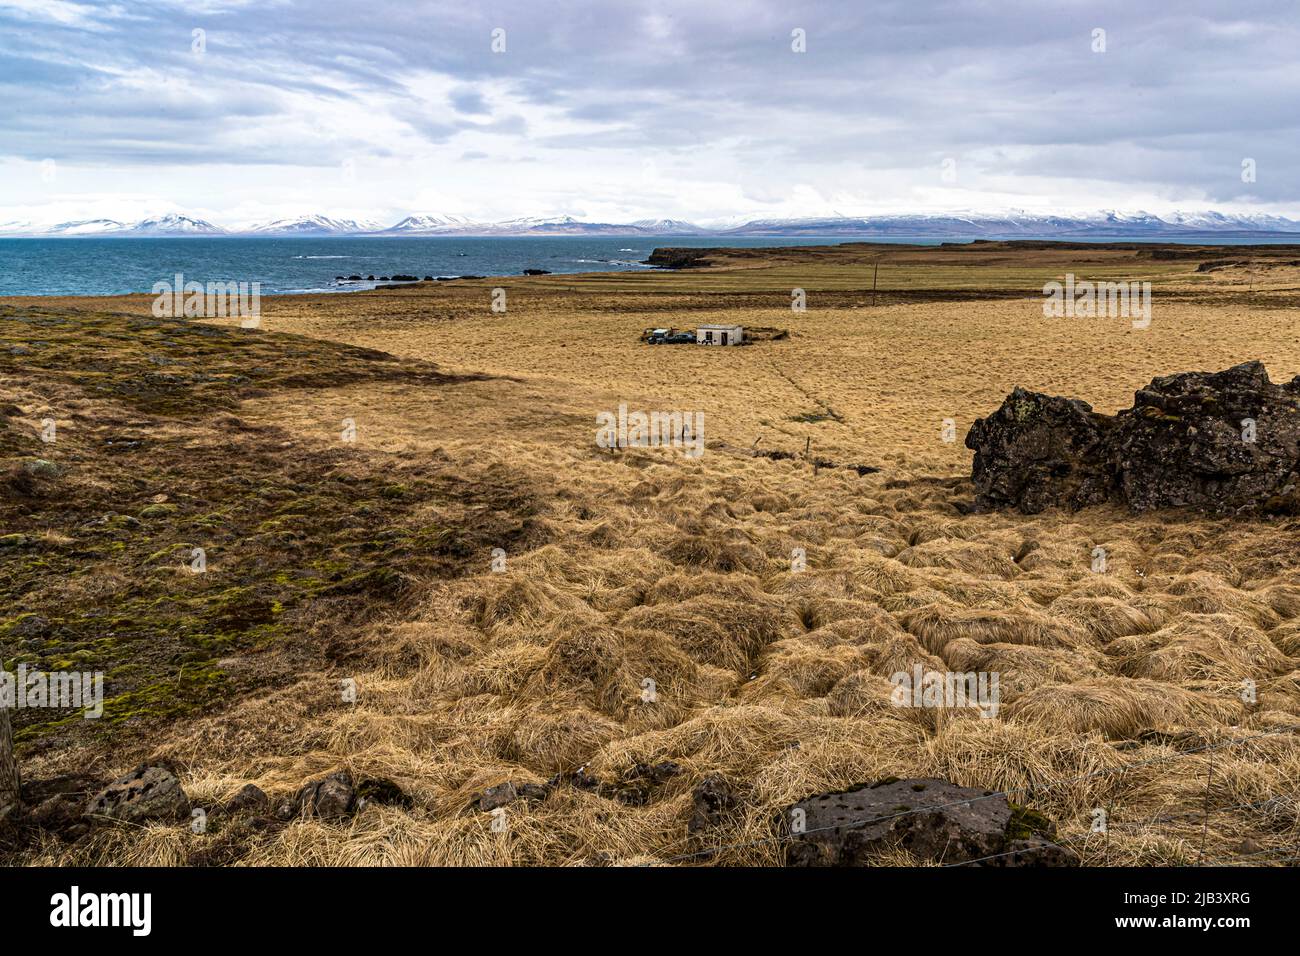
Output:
[[63, 13], [733, 120], [468, 100]]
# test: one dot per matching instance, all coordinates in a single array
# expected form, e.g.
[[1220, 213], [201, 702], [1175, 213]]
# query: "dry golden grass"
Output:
[[677, 570]]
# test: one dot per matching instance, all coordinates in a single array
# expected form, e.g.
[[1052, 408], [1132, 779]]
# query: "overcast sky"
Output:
[[613, 111]]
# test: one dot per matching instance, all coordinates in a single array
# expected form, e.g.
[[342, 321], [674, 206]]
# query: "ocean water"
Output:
[[108, 266]]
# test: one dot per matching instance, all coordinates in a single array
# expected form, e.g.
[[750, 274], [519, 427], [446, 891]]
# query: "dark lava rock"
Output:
[[144, 794], [934, 820], [637, 785], [29, 626], [60, 814], [508, 792], [57, 804], [1183, 443], [250, 798], [537, 272], [679, 258], [1040, 451], [578, 779], [382, 791], [497, 796], [330, 798], [712, 800], [41, 468]]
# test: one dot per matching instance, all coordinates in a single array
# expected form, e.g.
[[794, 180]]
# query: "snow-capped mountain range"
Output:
[[1011, 225], [313, 226]]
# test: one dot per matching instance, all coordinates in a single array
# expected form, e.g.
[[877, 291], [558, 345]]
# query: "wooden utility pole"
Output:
[[874, 275], [10, 794]]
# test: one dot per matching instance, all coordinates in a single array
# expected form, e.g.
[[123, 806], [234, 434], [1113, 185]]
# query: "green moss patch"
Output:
[[191, 556]]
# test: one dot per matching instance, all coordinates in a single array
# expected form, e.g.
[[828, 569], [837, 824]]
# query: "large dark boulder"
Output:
[[1039, 451], [1183, 441], [933, 820], [1215, 441]]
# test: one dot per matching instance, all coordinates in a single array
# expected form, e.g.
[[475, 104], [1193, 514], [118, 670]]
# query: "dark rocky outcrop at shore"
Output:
[[1220, 442], [669, 258]]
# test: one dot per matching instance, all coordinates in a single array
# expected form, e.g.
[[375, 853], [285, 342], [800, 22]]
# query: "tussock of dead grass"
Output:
[[516, 600], [900, 653], [937, 624], [862, 694], [796, 669], [967, 591], [1120, 708], [882, 575], [711, 630], [1106, 618], [1020, 668], [1284, 599], [968, 556], [872, 625], [1286, 638], [1200, 647]]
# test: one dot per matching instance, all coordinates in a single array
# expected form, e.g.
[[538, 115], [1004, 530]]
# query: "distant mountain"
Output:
[[170, 225], [563, 226], [669, 227], [1216, 221], [173, 225], [313, 226], [1015, 225], [87, 227], [1106, 224], [527, 226], [429, 225]]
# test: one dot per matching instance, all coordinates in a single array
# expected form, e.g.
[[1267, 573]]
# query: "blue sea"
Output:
[[115, 266]]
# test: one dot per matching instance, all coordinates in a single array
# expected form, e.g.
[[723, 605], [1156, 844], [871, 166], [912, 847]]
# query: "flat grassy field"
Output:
[[372, 560]]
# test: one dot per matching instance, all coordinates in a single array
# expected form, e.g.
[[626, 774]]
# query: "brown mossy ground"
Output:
[[304, 540]]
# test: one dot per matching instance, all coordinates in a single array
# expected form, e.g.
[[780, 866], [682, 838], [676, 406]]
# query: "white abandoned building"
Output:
[[719, 335]]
